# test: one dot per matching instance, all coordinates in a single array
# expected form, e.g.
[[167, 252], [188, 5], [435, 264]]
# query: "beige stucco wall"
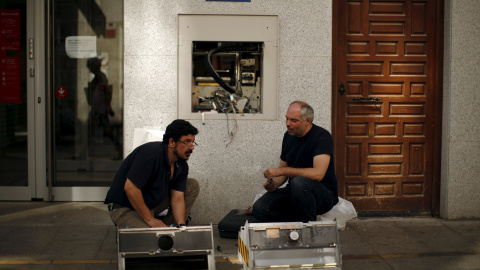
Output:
[[460, 183], [231, 176]]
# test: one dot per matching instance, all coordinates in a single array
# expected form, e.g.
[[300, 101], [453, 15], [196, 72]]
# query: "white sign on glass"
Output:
[[81, 46]]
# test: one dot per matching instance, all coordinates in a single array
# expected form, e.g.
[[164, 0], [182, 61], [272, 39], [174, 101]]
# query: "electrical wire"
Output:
[[222, 100], [232, 133]]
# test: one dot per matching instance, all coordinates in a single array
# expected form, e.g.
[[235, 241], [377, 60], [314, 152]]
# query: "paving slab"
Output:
[[80, 235]]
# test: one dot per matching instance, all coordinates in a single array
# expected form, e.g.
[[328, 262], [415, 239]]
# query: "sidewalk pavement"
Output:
[[80, 235]]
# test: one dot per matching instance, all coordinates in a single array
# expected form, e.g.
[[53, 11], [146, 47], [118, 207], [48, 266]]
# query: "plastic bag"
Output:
[[342, 212], [259, 195]]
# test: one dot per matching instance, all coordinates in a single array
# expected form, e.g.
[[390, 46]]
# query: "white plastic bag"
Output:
[[259, 195], [343, 211]]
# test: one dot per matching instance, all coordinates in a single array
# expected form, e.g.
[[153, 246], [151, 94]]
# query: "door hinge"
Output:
[[32, 72]]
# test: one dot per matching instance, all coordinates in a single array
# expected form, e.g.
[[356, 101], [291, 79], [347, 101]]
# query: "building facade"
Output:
[[140, 48]]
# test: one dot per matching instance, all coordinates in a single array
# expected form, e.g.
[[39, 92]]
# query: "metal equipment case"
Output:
[[289, 245], [166, 243]]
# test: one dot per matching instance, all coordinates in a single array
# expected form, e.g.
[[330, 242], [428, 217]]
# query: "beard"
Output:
[[184, 156], [294, 132]]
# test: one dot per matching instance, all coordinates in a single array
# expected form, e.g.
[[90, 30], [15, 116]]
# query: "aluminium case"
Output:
[[289, 245], [166, 242]]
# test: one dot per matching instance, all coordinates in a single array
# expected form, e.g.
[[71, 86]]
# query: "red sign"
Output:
[[10, 62], [111, 30], [61, 92]]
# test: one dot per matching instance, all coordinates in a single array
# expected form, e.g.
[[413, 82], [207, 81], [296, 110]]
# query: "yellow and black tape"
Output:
[[243, 251]]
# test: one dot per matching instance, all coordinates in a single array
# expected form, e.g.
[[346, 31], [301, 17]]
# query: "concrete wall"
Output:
[[460, 185], [229, 176]]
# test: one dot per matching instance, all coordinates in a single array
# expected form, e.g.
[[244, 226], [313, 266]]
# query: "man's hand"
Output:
[[156, 223], [275, 177], [271, 172], [272, 184]]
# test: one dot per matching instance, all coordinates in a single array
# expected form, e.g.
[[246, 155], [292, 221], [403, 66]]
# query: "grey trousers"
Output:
[[125, 217]]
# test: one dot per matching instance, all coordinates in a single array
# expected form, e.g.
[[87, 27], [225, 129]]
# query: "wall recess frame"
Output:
[[227, 64]]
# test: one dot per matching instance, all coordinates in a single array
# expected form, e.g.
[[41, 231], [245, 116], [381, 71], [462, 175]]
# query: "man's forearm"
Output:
[[136, 199], [178, 209], [310, 173], [316, 173]]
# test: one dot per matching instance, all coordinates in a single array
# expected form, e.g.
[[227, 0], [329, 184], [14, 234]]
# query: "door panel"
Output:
[[72, 154], [15, 103], [86, 101], [385, 117]]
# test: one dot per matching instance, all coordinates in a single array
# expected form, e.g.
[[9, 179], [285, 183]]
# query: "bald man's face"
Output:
[[295, 124]]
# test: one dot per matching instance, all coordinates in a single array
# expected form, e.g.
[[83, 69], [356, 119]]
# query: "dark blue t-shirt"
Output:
[[149, 169], [299, 152]]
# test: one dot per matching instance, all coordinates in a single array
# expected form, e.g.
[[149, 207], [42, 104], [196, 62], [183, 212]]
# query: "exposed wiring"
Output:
[[211, 70], [232, 133], [224, 100]]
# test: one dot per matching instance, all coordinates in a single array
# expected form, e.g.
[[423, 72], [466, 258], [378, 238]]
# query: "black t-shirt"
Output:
[[299, 152], [149, 169]]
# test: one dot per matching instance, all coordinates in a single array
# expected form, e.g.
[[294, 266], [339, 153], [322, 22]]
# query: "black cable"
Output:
[[213, 73], [211, 70]]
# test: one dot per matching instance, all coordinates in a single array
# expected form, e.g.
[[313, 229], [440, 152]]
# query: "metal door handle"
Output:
[[341, 89]]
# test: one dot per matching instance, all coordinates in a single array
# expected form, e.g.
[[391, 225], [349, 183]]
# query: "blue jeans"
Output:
[[301, 200]]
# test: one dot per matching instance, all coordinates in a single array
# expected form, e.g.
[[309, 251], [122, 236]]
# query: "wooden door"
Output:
[[385, 82]]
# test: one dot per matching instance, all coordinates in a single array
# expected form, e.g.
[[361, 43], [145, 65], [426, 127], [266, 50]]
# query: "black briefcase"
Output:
[[229, 226]]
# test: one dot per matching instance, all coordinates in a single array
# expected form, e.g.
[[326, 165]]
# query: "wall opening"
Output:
[[227, 76], [227, 65]]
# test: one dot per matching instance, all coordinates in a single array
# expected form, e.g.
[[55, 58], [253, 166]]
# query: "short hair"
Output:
[[306, 110], [94, 62], [177, 129]]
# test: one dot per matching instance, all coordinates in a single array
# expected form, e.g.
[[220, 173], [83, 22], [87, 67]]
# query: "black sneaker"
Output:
[[189, 218]]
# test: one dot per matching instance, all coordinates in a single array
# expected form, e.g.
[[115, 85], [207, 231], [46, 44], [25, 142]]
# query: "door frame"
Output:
[[40, 102], [39, 124], [58, 193], [35, 82], [438, 97]]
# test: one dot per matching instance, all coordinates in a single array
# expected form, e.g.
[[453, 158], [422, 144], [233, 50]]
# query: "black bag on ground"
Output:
[[229, 226]]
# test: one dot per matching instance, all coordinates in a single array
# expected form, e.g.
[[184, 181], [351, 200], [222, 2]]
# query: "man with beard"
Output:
[[153, 178], [306, 161]]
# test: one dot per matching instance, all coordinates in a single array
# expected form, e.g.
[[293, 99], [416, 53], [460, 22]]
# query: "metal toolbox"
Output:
[[166, 243], [289, 245]]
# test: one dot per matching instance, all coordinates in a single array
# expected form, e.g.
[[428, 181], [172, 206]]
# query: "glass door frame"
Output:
[[36, 188], [60, 193], [39, 103], [40, 94]]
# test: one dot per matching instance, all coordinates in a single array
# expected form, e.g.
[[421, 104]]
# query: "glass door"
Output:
[[86, 97], [19, 99]]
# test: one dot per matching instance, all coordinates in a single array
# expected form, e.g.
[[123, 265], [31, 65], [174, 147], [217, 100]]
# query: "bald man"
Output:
[[306, 162]]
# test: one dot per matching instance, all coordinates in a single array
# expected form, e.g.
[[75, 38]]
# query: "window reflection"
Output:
[[87, 57]]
